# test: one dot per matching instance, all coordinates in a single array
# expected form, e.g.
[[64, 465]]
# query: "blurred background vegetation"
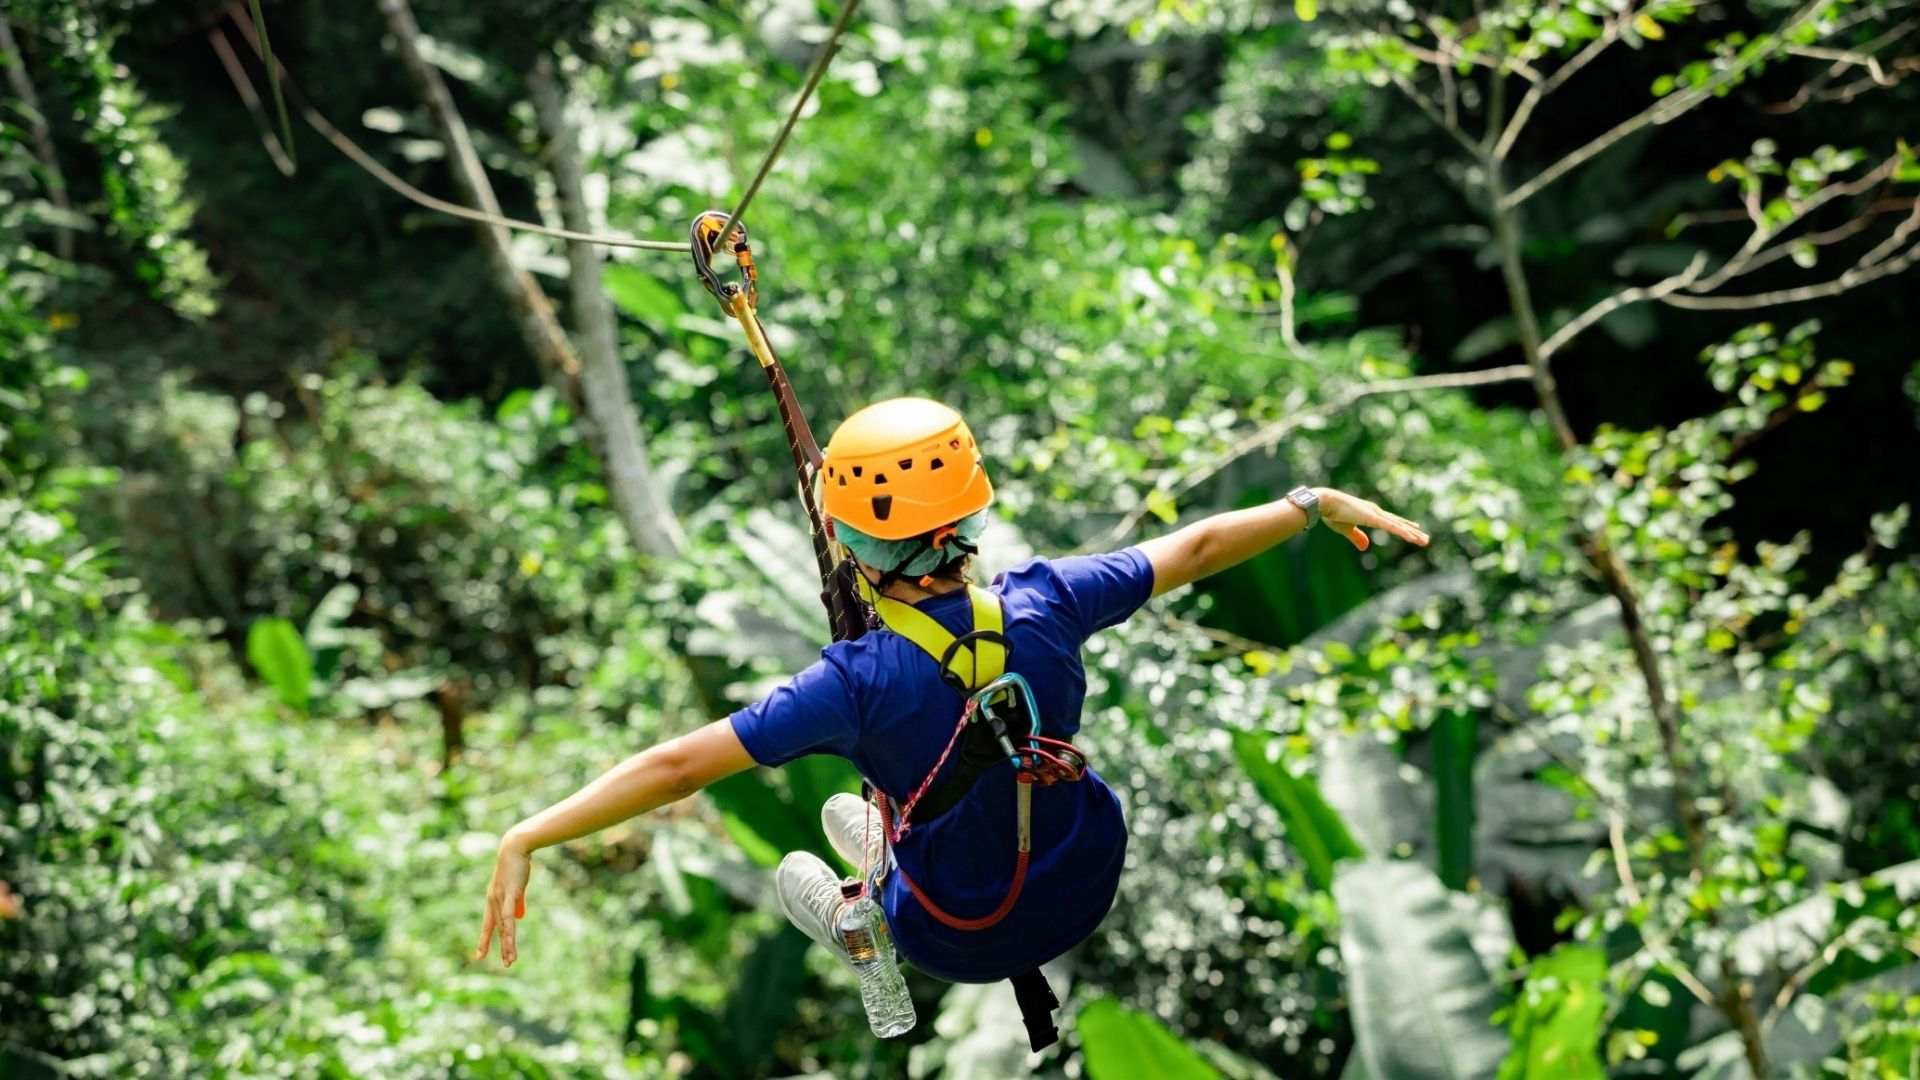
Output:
[[327, 547]]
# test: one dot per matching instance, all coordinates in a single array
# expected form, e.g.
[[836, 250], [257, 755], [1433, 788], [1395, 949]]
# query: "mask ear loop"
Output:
[[938, 542]]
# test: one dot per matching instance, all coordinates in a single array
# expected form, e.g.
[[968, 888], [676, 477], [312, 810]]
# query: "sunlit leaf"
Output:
[[280, 658], [1121, 1044]]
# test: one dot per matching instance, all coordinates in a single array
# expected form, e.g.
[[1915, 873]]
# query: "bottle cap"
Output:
[[851, 888]]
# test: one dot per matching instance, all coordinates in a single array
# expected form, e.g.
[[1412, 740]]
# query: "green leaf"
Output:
[[769, 819], [1160, 505], [1486, 339], [1556, 1024], [279, 656], [1455, 742], [643, 296], [1120, 1044], [1313, 828], [1422, 1003], [765, 999]]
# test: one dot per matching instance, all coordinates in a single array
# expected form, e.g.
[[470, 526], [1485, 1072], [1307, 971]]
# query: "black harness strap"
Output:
[[1036, 1009]]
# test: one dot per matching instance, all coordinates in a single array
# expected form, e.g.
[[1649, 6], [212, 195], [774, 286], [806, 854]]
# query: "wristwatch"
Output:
[[1308, 502]]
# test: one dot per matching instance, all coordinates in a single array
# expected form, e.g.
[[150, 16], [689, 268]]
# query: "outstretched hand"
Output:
[[1351, 517], [506, 901]]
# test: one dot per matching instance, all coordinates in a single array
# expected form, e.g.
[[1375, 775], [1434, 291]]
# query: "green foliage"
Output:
[[1312, 827], [1557, 1020], [1119, 1042], [279, 656], [1099, 232]]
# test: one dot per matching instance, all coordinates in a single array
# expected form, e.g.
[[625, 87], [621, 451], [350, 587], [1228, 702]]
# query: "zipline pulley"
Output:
[[847, 615]]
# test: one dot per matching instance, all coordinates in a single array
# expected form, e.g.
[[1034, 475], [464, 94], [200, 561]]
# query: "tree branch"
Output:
[[1656, 946], [1433, 112], [1662, 111], [1579, 323], [242, 85], [1869, 268], [28, 106], [1269, 436], [1539, 90]]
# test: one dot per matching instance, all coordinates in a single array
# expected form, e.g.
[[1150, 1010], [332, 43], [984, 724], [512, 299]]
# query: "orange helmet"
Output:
[[900, 468]]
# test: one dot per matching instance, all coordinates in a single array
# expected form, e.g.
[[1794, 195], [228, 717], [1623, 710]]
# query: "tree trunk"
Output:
[[1736, 1003], [637, 495], [531, 310], [55, 181], [1606, 562]]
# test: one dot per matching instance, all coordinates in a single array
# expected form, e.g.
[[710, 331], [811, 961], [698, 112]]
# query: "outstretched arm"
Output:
[[651, 778], [1213, 544]]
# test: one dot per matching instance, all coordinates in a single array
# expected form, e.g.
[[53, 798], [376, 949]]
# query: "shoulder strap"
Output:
[[974, 659]]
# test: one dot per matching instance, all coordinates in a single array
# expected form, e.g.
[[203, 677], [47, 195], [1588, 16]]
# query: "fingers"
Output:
[[1358, 536], [1404, 529], [509, 948], [486, 934]]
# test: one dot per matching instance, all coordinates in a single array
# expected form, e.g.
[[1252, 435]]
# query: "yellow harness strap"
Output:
[[978, 663]]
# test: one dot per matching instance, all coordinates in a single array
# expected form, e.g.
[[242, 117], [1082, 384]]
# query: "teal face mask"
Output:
[[885, 555]]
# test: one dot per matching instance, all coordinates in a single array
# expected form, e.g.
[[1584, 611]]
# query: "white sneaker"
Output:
[[809, 893], [854, 831]]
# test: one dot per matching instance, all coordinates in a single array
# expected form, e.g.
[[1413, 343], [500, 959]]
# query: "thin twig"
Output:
[[1267, 437], [379, 172], [1662, 111], [1655, 945], [243, 85], [1579, 323], [1856, 276], [1539, 90]]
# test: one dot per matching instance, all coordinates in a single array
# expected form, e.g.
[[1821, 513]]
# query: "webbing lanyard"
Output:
[[846, 614]]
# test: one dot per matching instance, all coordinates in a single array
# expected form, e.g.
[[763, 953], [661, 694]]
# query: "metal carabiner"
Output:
[[704, 235]]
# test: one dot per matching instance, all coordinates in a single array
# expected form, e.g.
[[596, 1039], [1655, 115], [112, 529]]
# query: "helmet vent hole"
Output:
[[830, 471], [882, 506], [936, 463], [905, 463], [954, 443], [856, 471], [879, 478], [843, 481]]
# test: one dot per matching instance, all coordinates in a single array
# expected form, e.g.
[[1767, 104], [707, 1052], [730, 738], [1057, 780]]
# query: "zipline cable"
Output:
[[372, 166], [820, 61]]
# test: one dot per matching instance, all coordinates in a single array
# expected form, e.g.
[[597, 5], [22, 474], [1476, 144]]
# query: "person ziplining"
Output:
[[987, 842]]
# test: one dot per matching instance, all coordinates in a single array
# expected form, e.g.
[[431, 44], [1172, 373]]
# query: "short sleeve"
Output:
[[812, 713], [1105, 589]]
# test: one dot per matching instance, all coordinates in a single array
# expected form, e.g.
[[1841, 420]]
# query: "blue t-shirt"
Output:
[[880, 703]]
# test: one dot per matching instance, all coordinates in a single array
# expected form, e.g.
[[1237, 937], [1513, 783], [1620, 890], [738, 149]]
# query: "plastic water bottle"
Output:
[[863, 931]]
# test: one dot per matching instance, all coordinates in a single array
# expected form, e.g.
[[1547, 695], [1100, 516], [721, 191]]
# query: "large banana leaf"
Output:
[[1314, 830], [1456, 738], [1422, 1002], [771, 816], [1120, 1044]]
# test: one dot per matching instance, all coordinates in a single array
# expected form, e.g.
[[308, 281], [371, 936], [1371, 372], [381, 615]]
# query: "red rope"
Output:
[[895, 833], [940, 913]]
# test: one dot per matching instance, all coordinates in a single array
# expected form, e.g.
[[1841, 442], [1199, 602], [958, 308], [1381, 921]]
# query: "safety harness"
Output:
[[999, 721]]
